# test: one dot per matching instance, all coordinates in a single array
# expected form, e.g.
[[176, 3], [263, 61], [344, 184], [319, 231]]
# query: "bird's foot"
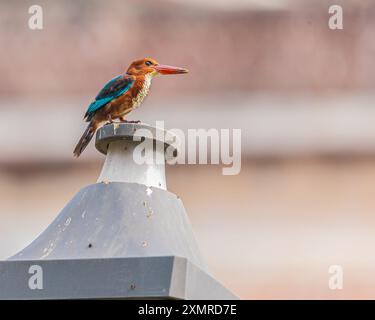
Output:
[[130, 121], [109, 119]]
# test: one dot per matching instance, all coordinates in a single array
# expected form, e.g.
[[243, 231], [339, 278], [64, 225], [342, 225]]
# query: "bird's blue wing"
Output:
[[113, 89]]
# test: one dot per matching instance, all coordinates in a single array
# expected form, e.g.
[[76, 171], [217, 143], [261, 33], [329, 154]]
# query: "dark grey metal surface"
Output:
[[110, 278], [117, 220]]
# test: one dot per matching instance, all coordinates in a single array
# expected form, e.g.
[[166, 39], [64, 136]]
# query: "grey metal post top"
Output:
[[125, 236], [127, 131], [124, 145]]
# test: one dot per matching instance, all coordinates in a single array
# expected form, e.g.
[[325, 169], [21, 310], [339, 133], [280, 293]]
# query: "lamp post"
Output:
[[125, 236]]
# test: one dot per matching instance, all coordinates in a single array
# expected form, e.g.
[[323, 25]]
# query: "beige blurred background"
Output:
[[302, 94]]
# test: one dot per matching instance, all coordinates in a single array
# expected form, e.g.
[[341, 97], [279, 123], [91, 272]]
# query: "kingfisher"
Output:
[[121, 95]]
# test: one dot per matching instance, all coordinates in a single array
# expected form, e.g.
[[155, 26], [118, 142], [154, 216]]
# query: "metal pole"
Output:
[[125, 236]]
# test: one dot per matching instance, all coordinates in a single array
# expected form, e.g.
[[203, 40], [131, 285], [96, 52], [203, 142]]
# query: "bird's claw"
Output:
[[130, 121]]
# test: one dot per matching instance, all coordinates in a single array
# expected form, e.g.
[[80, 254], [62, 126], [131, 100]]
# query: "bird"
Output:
[[121, 95]]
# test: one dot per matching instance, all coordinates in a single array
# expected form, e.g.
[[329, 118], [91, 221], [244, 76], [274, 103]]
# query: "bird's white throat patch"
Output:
[[143, 92]]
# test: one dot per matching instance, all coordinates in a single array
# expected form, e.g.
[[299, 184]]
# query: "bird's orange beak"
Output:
[[163, 69]]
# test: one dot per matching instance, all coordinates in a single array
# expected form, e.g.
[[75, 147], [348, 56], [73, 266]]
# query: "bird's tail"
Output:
[[85, 139]]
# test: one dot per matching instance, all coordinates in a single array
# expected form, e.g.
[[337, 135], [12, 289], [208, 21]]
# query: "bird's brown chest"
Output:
[[142, 92], [131, 99]]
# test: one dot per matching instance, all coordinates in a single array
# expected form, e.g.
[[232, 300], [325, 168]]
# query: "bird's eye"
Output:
[[148, 63]]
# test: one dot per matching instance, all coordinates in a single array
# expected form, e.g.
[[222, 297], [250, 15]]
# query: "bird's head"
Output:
[[150, 66]]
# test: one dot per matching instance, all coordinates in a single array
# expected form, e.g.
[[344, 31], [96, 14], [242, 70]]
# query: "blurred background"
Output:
[[302, 94]]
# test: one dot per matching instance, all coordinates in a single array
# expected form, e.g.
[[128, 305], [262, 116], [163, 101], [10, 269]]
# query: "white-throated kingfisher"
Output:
[[121, 95]]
